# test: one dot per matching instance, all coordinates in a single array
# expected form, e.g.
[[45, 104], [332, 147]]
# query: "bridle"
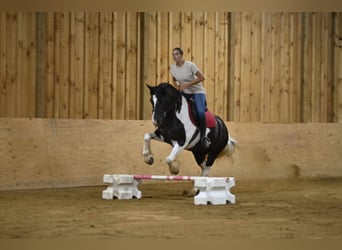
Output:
[[163, 112], [175, 103]]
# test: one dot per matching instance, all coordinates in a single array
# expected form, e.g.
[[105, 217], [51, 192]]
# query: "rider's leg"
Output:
[[200, 106]]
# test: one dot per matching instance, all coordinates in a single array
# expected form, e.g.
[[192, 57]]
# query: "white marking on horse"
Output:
[[189, 127], [154, 100]]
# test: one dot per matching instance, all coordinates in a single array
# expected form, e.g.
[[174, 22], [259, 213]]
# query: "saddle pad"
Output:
[[209, 117]]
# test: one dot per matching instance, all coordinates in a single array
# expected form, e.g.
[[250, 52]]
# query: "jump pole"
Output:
[[165, 177], [212, 190]]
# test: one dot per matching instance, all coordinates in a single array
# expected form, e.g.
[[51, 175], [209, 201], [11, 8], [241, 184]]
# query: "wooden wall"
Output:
[[259, 67], [47, 153]]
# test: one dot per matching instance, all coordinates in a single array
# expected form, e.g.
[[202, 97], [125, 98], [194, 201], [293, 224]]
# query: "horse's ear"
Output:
[[150, 87]]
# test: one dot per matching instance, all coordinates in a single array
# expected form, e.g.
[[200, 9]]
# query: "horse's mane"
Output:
[[166, 85], [173, 93]]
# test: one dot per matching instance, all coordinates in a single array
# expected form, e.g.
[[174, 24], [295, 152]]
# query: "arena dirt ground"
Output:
[[286, 209]]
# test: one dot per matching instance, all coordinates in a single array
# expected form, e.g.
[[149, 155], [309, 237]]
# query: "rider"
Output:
[[188, 79]]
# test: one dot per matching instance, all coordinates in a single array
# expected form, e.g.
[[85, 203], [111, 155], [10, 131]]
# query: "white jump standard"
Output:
[[212, 190]]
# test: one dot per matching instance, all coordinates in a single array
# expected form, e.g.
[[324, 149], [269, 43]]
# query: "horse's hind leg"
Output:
[[200, 159], [210, 161]]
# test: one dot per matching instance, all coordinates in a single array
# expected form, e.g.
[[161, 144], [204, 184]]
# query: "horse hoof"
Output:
[[191, 193], [174, 167], [205, 171], [149, 159], [173, 170]]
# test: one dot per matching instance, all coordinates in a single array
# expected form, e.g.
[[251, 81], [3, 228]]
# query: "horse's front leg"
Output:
[[147, 153], [171, 160]]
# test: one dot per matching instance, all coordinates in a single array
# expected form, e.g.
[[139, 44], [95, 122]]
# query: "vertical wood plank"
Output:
[[217, 86], [11, 59], [231, 65], [114, 83], [50, 66], [186, 34], [294, 66], [308, 69], [174, 36], [57, 68], [266, 31], [20, 47], [91, 65], [158, 46], [291, 67], [64, 64], [225, 65], [324, 79], [29, 68], [209, 72], [131, 67], [220, 84], [236, 82], [275, 68], [209, 62], [284, 68], [329, 71], [121, 66], [337, 60], [197, 23], [77, 61], [86, 67], [3, 62], [165, 51], [101, 64], [139, 84], [245, 67], [72, 64], [150, 59], [255, 80], [105, 65], [298, 62], [41, 53], [316, 70]]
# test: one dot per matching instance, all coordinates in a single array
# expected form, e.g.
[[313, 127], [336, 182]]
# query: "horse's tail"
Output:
[[231, 144], [229, 148]]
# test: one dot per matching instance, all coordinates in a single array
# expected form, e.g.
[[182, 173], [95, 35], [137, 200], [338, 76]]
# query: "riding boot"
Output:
[[205, 141]]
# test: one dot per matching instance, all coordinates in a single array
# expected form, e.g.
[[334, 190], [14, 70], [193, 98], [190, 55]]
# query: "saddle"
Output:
[[209, 117]]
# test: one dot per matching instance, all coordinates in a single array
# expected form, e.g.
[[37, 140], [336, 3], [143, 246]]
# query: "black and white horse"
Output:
[[173, 118]]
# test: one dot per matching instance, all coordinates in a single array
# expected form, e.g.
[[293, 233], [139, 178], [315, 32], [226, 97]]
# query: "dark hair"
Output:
[[179, 50]]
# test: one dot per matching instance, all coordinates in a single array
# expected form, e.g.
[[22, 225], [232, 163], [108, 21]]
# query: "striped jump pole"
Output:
[[172, 177], [211, 190]]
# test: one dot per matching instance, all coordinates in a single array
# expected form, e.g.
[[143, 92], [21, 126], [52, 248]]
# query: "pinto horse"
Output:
[[172, 115]]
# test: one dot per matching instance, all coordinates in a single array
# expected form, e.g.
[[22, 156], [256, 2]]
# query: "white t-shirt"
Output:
[[187, 73]]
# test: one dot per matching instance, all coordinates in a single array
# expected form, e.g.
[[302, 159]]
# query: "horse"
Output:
[[172, 116]]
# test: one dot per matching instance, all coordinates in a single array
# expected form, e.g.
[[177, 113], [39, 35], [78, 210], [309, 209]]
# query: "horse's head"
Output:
[[165, 99]]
